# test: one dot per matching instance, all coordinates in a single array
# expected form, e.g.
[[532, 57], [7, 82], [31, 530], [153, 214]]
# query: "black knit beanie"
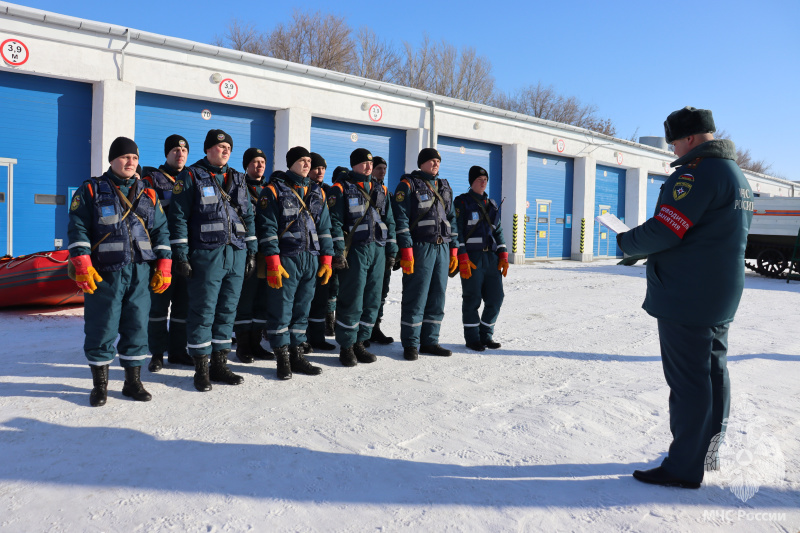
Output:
[[475, 172], [359, 155], [173, 141], [214, 137], [688, 121], [318, 161], [249, 155], [426, 154], [122, 146], [294, 154], [378, 160]]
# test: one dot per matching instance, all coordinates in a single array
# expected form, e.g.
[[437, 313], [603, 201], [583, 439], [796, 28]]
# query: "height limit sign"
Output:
[[228, 89], [14, 52]]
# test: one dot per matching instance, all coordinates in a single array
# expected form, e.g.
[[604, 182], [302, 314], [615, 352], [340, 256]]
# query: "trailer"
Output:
[[774, 235]]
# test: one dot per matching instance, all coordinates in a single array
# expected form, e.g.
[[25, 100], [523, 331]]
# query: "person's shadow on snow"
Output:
[[44, 453]]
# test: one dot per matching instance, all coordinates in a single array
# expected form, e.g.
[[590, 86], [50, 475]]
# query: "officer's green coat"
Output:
[[121, 303], [486, 283], [695, 243]]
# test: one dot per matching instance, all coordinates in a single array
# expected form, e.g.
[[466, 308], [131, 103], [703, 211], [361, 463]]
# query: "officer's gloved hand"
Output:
[[396, 264], [453, 260], [407, 260], [502, 263], [339, 262], [86, 276], [249, 266], [325, 272], [183, 268], [390, 261], [275, 272], [162, 278], [465, 266]]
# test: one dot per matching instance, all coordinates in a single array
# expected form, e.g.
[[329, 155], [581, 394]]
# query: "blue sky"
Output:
[[636, 61]]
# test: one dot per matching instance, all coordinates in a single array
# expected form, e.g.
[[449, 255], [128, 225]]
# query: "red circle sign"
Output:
[[375, 113], [560, 145], [228, 89], [619, 158], [14, 52]]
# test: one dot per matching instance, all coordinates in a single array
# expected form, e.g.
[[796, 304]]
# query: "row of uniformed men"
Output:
[[207, 222]]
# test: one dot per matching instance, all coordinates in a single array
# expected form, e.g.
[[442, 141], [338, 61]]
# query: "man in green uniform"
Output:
[[482, 261], [379, 168], [428, 241], [250, 312], [159, 338], [323, 306], [362, 227], [213, 238], [695, 277], [117, 225], [294, 236]]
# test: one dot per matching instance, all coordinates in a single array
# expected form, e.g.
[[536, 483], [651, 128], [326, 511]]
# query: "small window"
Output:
[[2, 197], [50, 199]]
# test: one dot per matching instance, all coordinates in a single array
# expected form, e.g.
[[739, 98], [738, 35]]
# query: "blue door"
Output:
[[654, 183], [159, 116], [548, 213], [458, 155], [4, 210], [51, 124], [609, 198], [335, 141]]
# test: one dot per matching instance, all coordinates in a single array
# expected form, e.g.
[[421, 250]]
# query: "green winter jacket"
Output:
[[695, 242]]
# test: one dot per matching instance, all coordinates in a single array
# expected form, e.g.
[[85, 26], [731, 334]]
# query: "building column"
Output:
[[583, 209], [292, 128], [416, 140], [635, 197], [113, 115], [514, 191]]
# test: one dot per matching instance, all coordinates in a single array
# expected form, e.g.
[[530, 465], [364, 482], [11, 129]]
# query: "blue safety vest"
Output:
[[157, 178], [371, 228], [127, 239], [216, 221], [434, 227], [301, 236], [483, 236]]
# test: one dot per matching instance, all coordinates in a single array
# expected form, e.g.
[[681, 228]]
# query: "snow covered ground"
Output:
[[541, 435]]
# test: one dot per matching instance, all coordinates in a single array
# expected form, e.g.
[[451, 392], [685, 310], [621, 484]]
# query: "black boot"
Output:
[[284, 367], [156, 362], [133, 388], [322, 345], [410, 353], [659, 476], [299, 363], [219, 370], [201, 379], [306, 347], [259, 352], [99, 393], [491, 344], [180, 358], [476, 346], [330, 318], [347, 356], [244, 348], [362, 354], [435, 349], [378, 336]]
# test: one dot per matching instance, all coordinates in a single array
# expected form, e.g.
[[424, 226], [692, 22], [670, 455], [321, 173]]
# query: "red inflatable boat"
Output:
[[37, 279]]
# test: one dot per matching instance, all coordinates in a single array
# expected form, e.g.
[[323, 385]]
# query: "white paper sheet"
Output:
[[611, 221]]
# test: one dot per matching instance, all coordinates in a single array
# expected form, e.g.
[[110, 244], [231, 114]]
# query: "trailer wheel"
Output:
[[771, 262]]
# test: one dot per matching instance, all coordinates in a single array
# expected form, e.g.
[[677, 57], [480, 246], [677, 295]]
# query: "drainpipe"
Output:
[[122, 63], [432, 140]]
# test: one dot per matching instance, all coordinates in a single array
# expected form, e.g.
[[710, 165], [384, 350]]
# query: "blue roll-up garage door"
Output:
[[335, 141], [48, 124], [548, 220], [654, 183], [609, 198], [159, 116], [458, 155]]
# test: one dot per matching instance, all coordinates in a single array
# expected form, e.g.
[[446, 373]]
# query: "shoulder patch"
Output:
[[178, 187], [76, 202], [458, 212], [331, 201], [399, 196], [687, 177], [262, 204], [681, 189]]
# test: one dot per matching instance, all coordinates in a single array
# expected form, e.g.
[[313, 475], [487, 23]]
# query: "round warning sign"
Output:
[[228, 89], [14, 52], [560, 145], [619, 158], [375, 113], [206, 114]]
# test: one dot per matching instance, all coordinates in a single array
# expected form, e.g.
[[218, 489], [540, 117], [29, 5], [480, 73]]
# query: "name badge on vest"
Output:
[[208, 191], [475, 215], [424, 197], [108, 211], [354, 202]]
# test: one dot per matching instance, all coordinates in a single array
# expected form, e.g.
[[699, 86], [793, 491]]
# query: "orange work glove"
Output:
[[85, 274], [465, 266], [407, 260], [162, 278], [502, 263], [325, 271], [275, 272], [453, 260]]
